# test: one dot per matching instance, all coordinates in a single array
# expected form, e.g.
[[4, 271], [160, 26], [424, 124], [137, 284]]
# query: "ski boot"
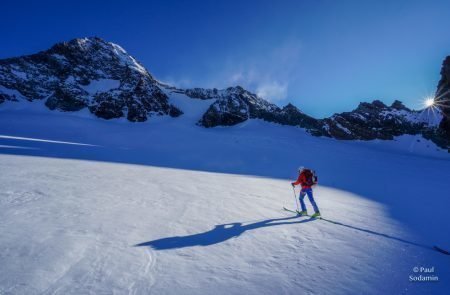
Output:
[[302, 213], [316, 215]]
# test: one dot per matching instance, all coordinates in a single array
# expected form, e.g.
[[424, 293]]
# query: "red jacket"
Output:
[[302, 180]]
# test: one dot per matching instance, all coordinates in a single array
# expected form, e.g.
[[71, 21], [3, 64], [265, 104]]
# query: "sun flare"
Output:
[[428, 102]]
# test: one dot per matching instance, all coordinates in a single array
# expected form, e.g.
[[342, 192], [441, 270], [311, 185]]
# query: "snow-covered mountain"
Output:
[[85, 73], [235, 105], [102, 77]]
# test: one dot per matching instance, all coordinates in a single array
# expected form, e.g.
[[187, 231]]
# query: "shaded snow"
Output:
[[59, 57], [343, 128], [193, 109], [11, 92], [431, 116], [19, 74]]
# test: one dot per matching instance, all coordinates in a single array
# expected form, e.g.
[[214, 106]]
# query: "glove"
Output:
[[293, 185]]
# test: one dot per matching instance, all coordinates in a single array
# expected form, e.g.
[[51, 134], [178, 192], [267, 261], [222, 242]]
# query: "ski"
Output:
[[298, 213], [318, 217], [289, 210]]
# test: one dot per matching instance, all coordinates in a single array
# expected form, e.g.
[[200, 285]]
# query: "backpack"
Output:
[[311, 177]]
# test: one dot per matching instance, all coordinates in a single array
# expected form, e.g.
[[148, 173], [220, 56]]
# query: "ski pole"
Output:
[[295, 197]]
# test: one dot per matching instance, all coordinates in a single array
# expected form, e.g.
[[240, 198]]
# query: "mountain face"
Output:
[[442, 98], [85, 73], [101, 76]]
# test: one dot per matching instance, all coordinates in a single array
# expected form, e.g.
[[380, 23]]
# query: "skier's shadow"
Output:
[[223, 232], [218, 234]]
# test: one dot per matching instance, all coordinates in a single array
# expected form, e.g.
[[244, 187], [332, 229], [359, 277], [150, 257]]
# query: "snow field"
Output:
[[91, 206]]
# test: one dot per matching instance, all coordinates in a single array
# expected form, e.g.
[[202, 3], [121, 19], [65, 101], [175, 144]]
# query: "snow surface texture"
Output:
[[91, 206]]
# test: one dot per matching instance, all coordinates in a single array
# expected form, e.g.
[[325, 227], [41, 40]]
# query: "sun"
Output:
[[428, 102]]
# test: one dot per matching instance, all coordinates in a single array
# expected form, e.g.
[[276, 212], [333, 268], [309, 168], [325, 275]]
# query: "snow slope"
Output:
[[91, 206]]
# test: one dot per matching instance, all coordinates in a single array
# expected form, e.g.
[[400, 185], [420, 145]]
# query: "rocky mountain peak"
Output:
[[371, 106], [236, 89], [398, 105], [85, 72], [290, 107], [79, 44], [105, 55]]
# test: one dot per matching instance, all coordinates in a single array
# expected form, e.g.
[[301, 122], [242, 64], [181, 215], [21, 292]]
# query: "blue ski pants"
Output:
[[309, 192]]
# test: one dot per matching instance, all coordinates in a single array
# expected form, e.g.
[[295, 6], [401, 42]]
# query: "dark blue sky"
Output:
[[324, 56]]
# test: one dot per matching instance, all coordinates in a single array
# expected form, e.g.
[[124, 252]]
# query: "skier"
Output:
[[306, 179]]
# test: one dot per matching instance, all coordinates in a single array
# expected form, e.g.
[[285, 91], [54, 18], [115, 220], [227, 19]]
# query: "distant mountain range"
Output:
[[101, 76]]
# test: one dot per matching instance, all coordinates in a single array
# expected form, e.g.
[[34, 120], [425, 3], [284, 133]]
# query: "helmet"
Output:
[[301, 168]]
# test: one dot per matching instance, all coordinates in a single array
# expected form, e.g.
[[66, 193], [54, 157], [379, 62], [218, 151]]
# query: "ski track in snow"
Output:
[[168, 207]]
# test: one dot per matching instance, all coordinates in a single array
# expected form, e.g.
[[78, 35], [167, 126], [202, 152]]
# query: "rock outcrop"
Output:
[[375, 121], [442, 100]]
